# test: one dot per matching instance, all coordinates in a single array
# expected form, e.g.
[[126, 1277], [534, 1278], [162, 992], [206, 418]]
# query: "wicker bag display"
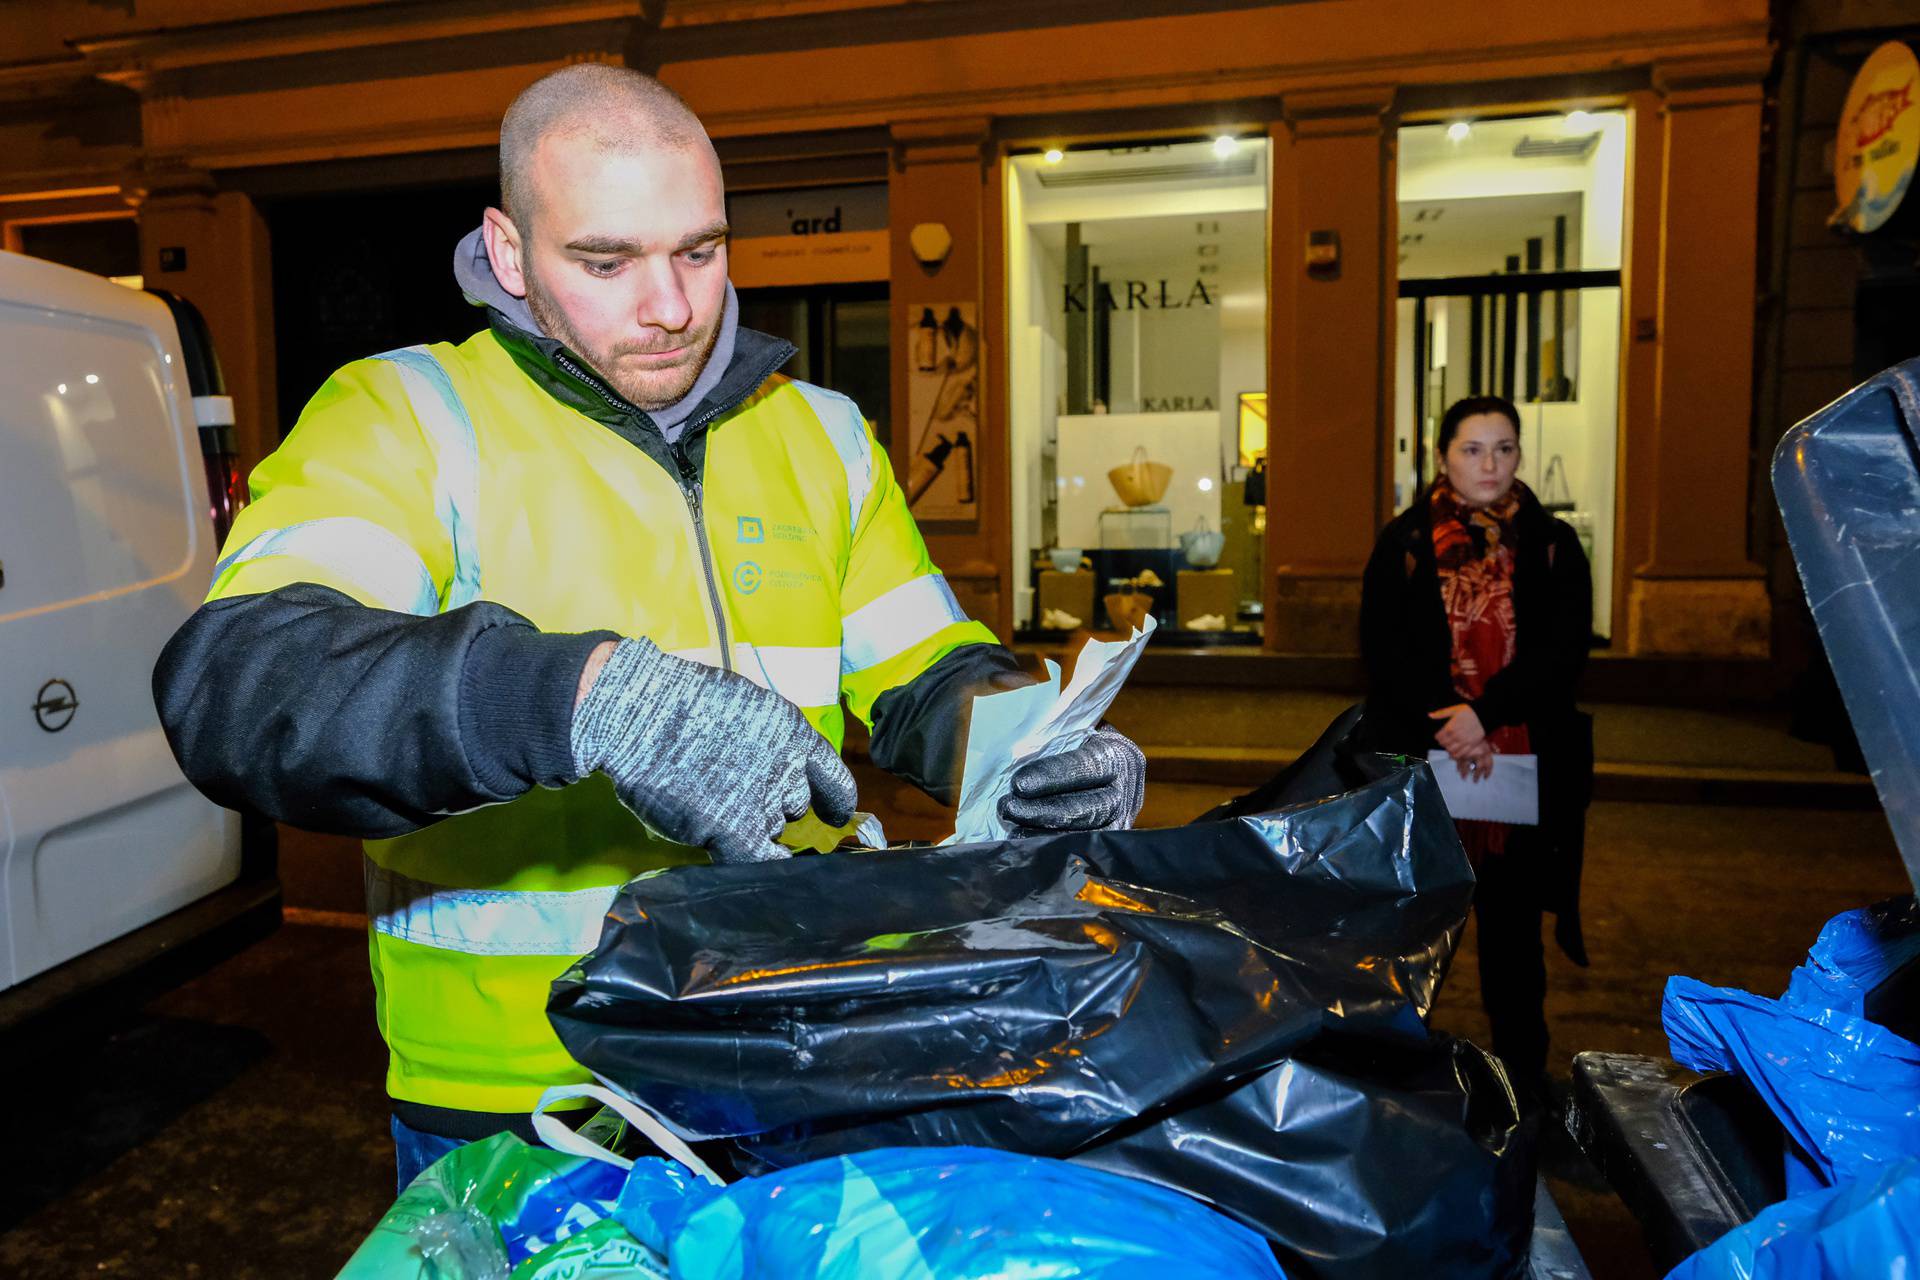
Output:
[[1141, 483]]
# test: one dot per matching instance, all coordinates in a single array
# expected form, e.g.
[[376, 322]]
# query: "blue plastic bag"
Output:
[[500, 1207], [933, 1213], [1865, 1227], [1855, 953], [1846, 1089]]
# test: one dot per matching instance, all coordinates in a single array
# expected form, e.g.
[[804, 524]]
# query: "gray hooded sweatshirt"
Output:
[[474, 272]]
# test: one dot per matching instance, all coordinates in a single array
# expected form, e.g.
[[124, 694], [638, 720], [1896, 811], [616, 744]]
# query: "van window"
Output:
[[94, 493]]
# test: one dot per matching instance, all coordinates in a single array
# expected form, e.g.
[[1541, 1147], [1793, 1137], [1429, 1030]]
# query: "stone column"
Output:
[[1327, 363], [939, 179], [1697, 593], [210, 247]]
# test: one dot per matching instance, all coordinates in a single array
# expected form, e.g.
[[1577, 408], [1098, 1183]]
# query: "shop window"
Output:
[[1137, 293], [1510, 240], [811, 266], [841, 333]]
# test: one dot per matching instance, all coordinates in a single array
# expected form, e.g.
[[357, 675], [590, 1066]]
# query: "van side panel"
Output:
[[106, 550]]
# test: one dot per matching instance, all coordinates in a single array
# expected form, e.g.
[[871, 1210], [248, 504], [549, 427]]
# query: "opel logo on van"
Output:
[[55, 705]]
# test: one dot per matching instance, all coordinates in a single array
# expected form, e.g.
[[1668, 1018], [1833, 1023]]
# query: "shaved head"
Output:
[[614, 228], [611, 109]]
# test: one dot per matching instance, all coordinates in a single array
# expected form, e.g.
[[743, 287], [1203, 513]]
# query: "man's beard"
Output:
[[647, 389]]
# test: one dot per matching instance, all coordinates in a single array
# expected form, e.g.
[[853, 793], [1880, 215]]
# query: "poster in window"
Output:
[[943, 412]]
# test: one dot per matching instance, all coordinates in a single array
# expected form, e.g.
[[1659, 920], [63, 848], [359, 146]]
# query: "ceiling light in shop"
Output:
[[1459, 131], [1054, 155], [1225, 145]]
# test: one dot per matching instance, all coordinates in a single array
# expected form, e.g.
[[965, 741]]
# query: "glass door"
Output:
[[1509, 285], [841, 333]]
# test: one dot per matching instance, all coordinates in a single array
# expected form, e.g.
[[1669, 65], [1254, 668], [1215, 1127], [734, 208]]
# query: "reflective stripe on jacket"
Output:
[[429, 478]]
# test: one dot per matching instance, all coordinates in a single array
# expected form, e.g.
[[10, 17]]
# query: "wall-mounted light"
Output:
[[931, 242], [1459, 131], [1206, 484], [1225, 145], [1054, 155]]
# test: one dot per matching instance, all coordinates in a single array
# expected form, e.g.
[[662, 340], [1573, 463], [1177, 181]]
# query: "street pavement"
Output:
[[236, 1126]]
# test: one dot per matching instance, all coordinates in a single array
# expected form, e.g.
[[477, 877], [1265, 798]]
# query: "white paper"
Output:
[[1511, 793], [1008, 729]]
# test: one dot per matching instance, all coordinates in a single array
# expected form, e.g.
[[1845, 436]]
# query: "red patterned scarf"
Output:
[[1474, 550]]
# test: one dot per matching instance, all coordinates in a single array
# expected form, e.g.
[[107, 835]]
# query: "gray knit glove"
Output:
[[1099, 785], [705, 757]]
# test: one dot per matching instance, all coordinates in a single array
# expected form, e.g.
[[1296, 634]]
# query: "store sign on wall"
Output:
[[817, 235], [1879, 139], [1135, 295]]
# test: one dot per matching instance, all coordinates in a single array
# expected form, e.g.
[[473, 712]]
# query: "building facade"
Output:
[[1226, 260], [1839, 303]]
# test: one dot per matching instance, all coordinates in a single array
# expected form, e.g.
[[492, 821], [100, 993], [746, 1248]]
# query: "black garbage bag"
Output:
[[1356, 1159], [1027, 995], [1335, 763], [1068, 994]]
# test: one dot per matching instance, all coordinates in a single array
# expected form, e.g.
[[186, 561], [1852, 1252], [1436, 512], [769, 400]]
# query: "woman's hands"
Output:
[[1464, 738]]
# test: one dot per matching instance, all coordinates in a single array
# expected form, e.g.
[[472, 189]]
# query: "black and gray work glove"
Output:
[[1097, 786], [705, 757]]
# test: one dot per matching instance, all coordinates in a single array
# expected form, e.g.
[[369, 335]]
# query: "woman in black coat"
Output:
[[1475, 619]]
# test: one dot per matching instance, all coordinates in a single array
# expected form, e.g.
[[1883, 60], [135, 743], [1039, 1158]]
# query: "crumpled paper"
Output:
[[1011, 728]]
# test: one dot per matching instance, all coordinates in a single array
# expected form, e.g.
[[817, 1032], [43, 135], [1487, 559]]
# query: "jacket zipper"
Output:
[[690, 489]]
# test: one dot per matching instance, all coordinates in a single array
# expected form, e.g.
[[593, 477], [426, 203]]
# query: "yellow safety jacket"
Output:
[[431, 477]]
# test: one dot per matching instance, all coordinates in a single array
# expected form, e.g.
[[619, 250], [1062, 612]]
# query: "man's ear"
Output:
[[505, 252]]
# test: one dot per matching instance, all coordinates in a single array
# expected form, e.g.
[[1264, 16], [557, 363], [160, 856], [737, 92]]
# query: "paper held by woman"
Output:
[[1510, 794]]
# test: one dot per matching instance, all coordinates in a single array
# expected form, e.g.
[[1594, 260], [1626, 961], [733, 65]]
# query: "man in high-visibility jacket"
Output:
[[493, 601]]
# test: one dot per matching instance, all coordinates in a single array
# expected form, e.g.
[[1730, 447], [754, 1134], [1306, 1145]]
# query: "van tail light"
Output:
[[219, 450]]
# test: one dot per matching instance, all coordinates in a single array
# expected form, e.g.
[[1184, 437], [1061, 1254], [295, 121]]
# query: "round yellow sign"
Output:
[[1873, 158]]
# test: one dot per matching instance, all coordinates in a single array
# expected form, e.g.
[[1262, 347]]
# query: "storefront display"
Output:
[[1510, 285], [1137, 288], [943, 413]]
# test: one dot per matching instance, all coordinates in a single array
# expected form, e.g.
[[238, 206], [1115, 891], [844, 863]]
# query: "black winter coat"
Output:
[[1407, 648]]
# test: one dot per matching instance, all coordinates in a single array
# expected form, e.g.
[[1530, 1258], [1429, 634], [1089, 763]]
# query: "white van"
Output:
[[107, 544]]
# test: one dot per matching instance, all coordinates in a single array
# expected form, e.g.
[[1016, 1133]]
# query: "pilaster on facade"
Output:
[[1344, 111], [1697, 592], [959, 138], [1717, 80], [1331, 219]]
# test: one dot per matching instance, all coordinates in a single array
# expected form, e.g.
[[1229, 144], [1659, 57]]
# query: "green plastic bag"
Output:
[[483, 1208]]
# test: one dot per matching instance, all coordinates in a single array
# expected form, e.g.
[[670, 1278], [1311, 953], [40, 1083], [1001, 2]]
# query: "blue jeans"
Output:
[[413, 1151]]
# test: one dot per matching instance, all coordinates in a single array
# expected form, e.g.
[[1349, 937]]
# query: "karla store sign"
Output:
[[1135, 295]]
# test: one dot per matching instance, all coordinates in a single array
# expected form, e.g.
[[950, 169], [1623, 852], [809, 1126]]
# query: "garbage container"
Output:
[[1696, 1155]]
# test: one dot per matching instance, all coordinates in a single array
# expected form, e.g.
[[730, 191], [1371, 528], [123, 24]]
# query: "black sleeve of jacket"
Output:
[[1542, 678], [1389, 634], [920, 728], [309, 707]]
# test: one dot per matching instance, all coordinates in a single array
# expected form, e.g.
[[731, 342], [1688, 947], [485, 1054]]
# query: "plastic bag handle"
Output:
[[555, 1133]]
